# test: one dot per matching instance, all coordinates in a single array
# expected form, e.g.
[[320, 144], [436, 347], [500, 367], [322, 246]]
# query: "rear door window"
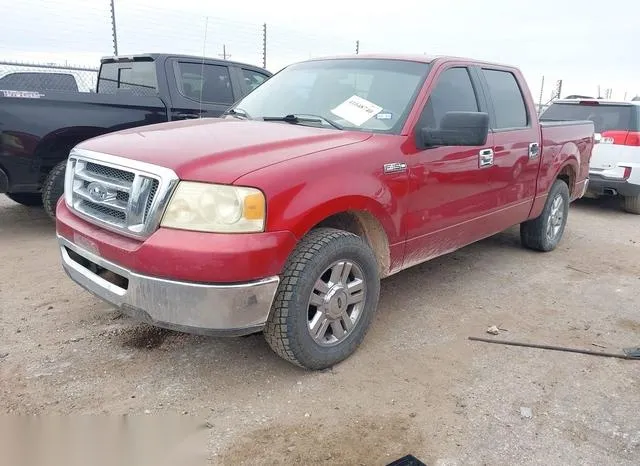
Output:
[[508, 103], [605, 117]]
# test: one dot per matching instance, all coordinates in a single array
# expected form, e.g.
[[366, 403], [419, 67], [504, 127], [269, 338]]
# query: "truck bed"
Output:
[[562, 140]]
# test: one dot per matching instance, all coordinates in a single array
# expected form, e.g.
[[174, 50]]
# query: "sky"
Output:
[[585, 44]]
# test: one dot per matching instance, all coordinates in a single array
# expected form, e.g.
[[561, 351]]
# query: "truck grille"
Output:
[[119, 194]]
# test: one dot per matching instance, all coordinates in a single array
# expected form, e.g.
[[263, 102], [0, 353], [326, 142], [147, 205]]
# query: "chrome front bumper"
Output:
[[205, 309]]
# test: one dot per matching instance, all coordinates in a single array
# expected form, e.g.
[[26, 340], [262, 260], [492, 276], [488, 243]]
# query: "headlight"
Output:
[[215, 208]]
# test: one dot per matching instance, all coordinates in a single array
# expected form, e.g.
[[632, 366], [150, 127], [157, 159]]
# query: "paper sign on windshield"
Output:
[[356, 110]]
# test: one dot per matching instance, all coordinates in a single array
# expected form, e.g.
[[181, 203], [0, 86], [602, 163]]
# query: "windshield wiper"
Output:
[[238, 113], [295, 119]]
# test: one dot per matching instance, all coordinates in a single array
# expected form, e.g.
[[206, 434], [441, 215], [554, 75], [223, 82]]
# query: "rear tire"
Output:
[[26, 199], [326, 300], [53, 188], [545, 232], [632, 204]]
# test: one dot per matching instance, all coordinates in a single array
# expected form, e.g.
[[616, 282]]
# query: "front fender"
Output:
[[306, 205], [300, 194]]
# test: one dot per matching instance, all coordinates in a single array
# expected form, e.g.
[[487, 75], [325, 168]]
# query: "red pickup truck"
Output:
[[283, 215]]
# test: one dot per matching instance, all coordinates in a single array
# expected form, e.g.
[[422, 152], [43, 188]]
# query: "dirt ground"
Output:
[[417, 385]]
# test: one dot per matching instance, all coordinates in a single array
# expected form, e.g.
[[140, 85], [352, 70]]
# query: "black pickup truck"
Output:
[[39, 128]]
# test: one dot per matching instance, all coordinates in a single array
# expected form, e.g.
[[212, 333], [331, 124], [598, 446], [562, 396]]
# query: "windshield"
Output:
[[605, 117], [356, 94]]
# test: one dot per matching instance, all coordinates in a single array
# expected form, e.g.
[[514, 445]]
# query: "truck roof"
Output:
[[411, 57], [598, 101], [163, 56]]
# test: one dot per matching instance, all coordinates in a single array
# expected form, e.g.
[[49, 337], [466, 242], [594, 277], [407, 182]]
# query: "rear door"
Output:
[[201, 89], [617, 126], [516, 147]]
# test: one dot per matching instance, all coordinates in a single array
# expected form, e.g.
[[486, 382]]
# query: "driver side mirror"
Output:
[[457, 129]]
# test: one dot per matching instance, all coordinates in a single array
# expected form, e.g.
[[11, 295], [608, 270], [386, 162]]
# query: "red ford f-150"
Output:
[[283, 215]]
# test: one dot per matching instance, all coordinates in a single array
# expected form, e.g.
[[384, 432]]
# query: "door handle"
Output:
[[485, 158], [187, 116], [534, 150]]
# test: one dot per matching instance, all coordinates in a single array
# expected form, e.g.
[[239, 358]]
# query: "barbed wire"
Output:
[[61, 33]]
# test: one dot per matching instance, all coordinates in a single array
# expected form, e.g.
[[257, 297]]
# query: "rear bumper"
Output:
[[205, 309], [600, 186]]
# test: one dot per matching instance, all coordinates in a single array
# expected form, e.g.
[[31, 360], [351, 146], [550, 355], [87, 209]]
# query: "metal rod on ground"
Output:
[[554, 348], [113, 28]]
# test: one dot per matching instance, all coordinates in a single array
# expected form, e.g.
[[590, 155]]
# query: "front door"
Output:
[[449, 191]]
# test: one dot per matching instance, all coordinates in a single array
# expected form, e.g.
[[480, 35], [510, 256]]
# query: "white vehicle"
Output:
[[615, 162]]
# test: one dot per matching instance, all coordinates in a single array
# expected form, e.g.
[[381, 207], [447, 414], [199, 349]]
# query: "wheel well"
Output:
[[568, 175], [367, 227], [55, 151]]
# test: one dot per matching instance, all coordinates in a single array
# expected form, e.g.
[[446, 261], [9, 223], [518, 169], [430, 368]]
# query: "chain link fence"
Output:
[[43, 38], [56, 32], [46, 77]]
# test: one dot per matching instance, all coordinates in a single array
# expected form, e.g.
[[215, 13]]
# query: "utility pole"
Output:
[[541, 94], [113, 28], [357, 47], [264, 45], [559, 88], [224, 52]]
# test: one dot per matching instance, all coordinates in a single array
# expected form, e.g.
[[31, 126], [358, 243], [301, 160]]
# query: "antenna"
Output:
[[204, 49]]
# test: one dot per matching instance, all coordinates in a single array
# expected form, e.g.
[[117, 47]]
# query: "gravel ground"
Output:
[[416, 385]]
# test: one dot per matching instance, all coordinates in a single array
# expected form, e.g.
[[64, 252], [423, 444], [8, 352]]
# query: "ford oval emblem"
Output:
[[99, 192]]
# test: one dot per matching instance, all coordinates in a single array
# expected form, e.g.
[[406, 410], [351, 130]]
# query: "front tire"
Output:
[[26, 199], [545, 232], [326, 300], [53, 188], [632, 204]]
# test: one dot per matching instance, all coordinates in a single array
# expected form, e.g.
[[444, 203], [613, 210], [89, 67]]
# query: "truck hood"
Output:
[[219, 150]]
